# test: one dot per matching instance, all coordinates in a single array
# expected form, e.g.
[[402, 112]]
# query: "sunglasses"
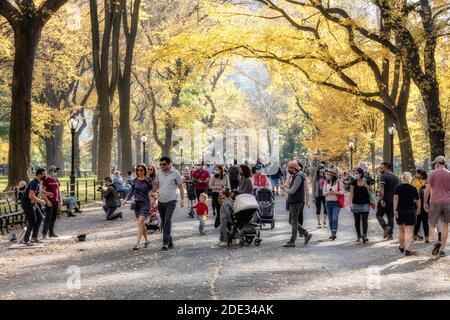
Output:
[[140, 170], [163, 164]]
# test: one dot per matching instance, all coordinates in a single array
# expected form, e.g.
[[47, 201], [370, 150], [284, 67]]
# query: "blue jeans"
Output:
[[333, 214]]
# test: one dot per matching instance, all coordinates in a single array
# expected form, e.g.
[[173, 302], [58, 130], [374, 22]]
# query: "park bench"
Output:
[[10, 214], [65, 208]]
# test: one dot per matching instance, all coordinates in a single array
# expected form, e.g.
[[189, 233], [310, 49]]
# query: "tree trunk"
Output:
[[406, 150], [373, 157], [94, 144], [138, 150], [387, 139], [167, 147], [26, 40], [119, 150], [436, 131], [53, 147], [105, 138], [76, 142], [124, 132]]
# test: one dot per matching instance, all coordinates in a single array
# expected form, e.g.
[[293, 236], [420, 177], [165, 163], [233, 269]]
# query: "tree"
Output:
[[27, 21], [124, 81], [105, 82]]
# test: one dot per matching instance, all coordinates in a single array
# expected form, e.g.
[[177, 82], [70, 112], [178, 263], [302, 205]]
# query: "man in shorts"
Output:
[[438, 187]]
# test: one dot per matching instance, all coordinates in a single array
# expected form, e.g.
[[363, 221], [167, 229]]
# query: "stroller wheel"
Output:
[[272, 225]]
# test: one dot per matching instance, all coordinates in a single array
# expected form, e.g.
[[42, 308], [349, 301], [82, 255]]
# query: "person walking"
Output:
[[333, 188], [141, 190], [275, 174], [30, 201], [226, 210], [53, 198], [218, 182], [420, 183], [201, 209], [151, 171], [111, 199], [296, 200], [260, 179], [388, 182], [245, 181], [168, 179], [406, 208], [233, 174], [318, 183], [201, 178], [359, 199], [438, 188]]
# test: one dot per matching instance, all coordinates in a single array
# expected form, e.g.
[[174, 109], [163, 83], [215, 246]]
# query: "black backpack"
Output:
[[233, 173]]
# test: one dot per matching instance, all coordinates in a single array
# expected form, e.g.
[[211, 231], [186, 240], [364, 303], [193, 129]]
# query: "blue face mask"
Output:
[[55, 174]]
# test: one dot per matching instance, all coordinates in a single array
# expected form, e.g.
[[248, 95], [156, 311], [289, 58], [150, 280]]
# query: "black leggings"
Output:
[[319, 202], [422, 218], [216, 208], [364, 216]]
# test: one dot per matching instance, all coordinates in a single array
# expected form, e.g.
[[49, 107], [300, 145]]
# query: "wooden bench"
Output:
[[9, 216]]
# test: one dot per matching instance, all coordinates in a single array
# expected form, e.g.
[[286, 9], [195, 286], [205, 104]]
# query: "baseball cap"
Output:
[[53, 168], [439, 159]]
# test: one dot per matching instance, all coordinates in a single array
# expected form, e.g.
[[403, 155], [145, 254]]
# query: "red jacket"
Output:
[[202, 208]]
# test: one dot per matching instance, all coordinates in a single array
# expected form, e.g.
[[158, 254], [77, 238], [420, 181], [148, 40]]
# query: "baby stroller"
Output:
[[153, 223], [244, 211], [265, 200], [190, 187]]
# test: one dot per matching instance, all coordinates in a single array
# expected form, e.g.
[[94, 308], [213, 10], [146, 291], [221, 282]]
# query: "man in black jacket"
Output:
[[296, 201], [112, 201]]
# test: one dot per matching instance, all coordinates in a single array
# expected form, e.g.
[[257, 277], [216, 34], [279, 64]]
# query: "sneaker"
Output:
[[222, 244], [70, 214], [408, 253], [387, 232], [29, 244], [436, 248], [235, 242], [307, 238], [164, 248], [78, 210], [441, 254], [146, 244], [289, 245], [135, 248], [324, 224], [53, 236], [365, 239], [13, 237], [171, 246], [36, 240], [402, 250], [319, 225]]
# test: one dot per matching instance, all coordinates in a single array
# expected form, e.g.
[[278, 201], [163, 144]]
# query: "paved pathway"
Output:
[[197, 269]]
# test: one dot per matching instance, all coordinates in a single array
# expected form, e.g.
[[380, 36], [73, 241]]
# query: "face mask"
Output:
[[55, 174], [328, 176], [291, 171], [44, 177], [217, 171]]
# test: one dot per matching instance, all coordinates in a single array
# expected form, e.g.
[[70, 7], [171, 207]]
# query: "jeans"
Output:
[[34, 216], [70, 202], [111, 213], [333, 214], [364, 217], [295, 212], [166, 212], [422, 218], [201, 225], [389, 212], [319, 202], [50, 217]]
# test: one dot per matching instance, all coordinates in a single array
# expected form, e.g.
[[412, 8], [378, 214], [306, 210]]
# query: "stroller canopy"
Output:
[[245, 202]]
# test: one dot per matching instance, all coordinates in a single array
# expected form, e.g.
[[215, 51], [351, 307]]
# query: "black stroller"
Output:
[[190, 187], [245, 211], [266, 202]]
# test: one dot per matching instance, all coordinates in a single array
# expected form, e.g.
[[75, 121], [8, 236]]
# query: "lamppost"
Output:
[[73, 125], [144, 141], [391, 131], [351, 146]]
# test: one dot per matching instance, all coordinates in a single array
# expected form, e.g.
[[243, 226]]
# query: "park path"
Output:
[[197, 269]]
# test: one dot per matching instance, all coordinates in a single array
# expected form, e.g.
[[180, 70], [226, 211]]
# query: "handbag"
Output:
[[372, 197], [341, 198]]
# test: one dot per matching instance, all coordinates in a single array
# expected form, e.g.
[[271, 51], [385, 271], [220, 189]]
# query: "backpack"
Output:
[[233, 173]]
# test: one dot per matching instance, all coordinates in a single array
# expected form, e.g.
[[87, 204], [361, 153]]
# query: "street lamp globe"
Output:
[[391, 130], [73, 123], [144, 138], [351, 145]]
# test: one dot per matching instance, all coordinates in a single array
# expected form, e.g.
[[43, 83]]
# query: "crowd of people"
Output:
[[414, 203]]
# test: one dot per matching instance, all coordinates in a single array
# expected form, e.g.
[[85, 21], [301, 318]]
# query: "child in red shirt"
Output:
[[201, 208]]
